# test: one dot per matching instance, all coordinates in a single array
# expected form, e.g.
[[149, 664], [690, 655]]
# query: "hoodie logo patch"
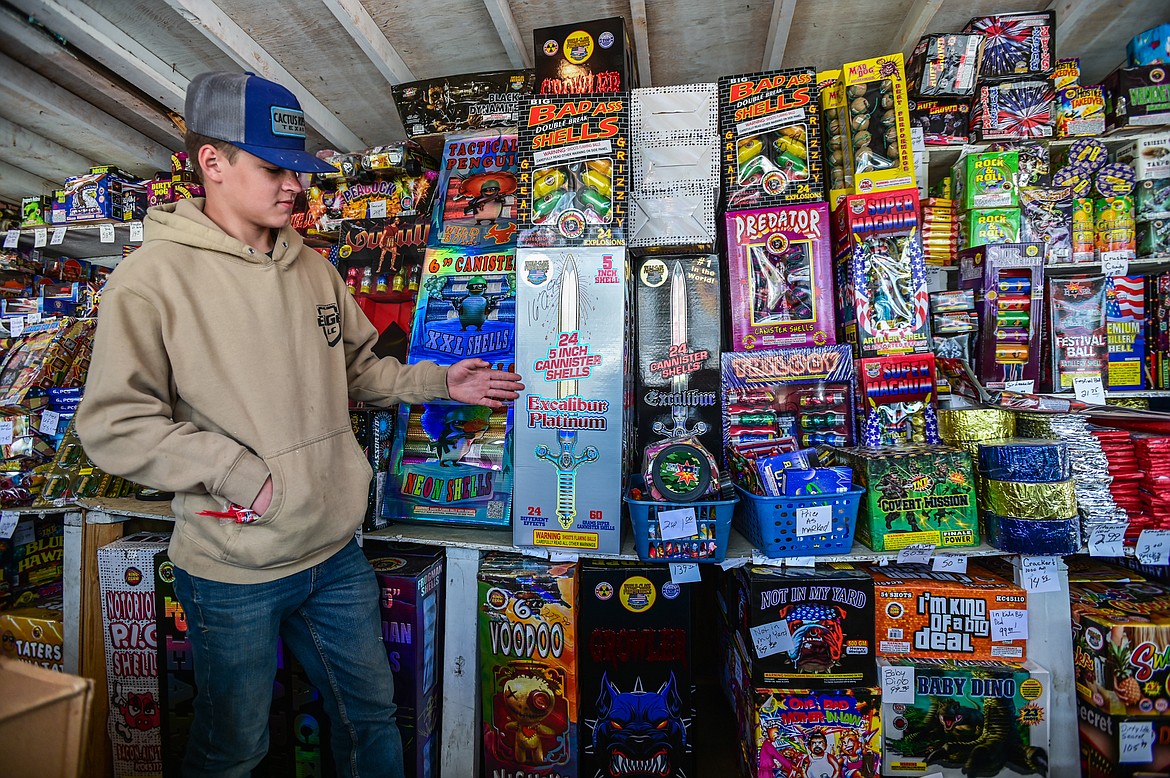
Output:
[[329, 320]]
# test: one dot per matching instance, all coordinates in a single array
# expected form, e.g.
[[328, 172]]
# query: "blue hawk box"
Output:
[[1125, 328], [475, 205]]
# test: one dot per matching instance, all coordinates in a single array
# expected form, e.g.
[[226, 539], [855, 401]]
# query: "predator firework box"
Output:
[[411, 599], [1101, 744], [574, 170], [827, 615], [1125, 326], [475, 201], [969, 718], [679, 321], [770, 123], [878, 131], [1016, 44], [1077, 327], [780, 276], [914, 494], [585, 58], [528, 667], [898, 400], [34, 634], [923, 614], [635, 671], [572, 352], [467, 102]]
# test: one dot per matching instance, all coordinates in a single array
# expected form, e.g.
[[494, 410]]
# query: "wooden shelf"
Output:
[[114, 510]]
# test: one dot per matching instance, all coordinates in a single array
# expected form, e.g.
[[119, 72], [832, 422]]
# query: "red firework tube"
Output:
[[1012, 335], [740, 410], [1013, 302], [814, 400]]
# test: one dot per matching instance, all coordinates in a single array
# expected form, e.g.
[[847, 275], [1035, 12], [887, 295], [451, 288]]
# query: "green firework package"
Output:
[[970, 718], [914, 494]]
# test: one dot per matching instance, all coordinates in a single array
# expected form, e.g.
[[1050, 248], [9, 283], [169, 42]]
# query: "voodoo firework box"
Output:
[[572, 312], [914, 494], [574, 171], [770, 124], [528, 667], [829, 613], [1101, 745], [636, 682], [463, 102], [588, 58], [969, 718], [1125, 325], [898, 400], [780, 276], [1079, 341], [383, 245], [923, 614], [679, 322], [475, 202]]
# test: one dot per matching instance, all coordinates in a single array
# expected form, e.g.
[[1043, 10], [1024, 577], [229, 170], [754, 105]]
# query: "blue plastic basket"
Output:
[[770, 523], [713, 518]]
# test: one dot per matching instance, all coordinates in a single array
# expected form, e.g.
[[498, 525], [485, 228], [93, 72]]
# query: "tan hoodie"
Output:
[[215, 366]]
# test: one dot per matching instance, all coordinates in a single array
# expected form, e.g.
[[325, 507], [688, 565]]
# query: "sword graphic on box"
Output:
[[679, 414]]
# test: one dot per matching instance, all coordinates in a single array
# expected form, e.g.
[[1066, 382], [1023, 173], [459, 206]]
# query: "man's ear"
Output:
[[211, 163]]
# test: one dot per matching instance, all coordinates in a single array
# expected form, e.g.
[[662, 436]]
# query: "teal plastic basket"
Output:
[[770, 523], [710, 545]]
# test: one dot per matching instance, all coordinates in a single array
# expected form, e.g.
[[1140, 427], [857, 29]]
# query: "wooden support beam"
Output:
[[1069, 14], [460, 727], [23, 148], [365, 32], [778, 29], [231, 39], [519, 52], [92, 659], [641, 33], [915, 25], [16, 183]]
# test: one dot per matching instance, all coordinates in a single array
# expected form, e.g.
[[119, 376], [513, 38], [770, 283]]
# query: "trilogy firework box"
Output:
[[572, 351], [770, 123], [475, 202], [780, 276], [1077, 330], [574, 170], [34, 634], [829, 618], [679, 322], [877, 135], [1125, 327], [635, 671], [898, 400], [528, 667], [465, 102], [126, 579], [1008, 280], [1101, 745], [914, 494], [969, 718], [411, 599], [585, 58], [923, 614]]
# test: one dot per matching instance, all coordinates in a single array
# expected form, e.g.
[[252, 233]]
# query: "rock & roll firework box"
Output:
[[829, 617], [475, 202], [636, 682], [34, 634], [126, 578], [456, 103], [969, 718], [571, 326], [679, 322], [528, 667], [1101, 745], [411, 599], [588, 58], [922, 614], [898, 400], [780, 276]]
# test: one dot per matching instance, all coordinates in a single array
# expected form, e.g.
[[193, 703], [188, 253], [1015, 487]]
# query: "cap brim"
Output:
[[289, 159]]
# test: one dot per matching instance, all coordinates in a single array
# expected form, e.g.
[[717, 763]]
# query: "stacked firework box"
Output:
[[1014, 96], [1028, 497]]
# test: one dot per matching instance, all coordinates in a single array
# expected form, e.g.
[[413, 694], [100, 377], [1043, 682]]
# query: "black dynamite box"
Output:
[[585, 58]]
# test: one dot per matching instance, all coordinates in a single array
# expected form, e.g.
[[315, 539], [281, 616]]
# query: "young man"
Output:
[[224, 358]]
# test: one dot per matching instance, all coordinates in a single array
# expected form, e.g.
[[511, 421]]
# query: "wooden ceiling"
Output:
[[97, 81]]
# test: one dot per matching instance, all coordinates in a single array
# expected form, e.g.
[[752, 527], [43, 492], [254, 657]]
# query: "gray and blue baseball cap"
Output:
[[260, 116]]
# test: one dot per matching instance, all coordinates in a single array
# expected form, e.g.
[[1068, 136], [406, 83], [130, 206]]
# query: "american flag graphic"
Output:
[[1125, 297]]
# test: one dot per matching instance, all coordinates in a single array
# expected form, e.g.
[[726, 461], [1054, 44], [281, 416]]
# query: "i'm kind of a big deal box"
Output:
[[571, 332]]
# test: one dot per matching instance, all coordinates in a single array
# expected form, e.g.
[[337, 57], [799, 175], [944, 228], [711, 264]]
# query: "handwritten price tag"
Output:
[[949, 562], [376, 209], [32, 318], [1137, 742], [772, 638], [40, 237], [106, 233], [1040, 573], [1089, 389], [679, 523], [1153, 547], [1023, 387], [1107, 541], [562, 556], [6, 433], [898, 684], [49, 422], [814, 520], [733, 562], [1115, 263], [800, 561], [915, 554], [936, 279], [11, 238], [761, 559], [8, 522], [684, 572], [135, 232], [58, 236], [1009, 625], [16, 326]]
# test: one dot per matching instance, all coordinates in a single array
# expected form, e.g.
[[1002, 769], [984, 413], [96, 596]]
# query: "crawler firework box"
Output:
[[878, 131], [923, 614], [475, 202], [34, 634], [770, 123], [574, 171], [914, 494], [1101, 744], [636, 673], [969, 717], [572, 322], [585, 58], [1125, 324], [1077, 328], [528, 667], [410, 594], [898, 400], [829, 614], [679, 322], [780, 277], [126, 580], [457, 103]]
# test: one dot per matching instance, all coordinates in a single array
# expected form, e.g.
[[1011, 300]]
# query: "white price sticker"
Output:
[[679, 523], [49, 422], [800, 561], [1040, 573], [884, 562], [16, 326], [916, 553], [376, 209], [1023, 387], [814, 520], [537, 552], [1009, 624], [40, 237], [1153, 547], [772, 638], [936, 279], [1137, 742], [32, 318], [135, 232], [1115, 263], [763, 559], [6, 433], [684, 572], [730, 563], [11, 238], [359, 537], [58, 236], [562, 556], [1107, 541], [8, 522], [1089, 389], [949, 562], [898, 684], [106, 231]]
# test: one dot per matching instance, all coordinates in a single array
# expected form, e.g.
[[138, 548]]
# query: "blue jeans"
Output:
[[328, 617]]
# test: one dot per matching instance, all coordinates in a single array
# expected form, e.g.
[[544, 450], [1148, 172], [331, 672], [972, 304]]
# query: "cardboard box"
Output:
[[835, 121], [1150, 157], [898, 401], [44, 721], [986, 180], [636, 671], [475, 202], [881, 157], [990, 226], [944, 65], [374, 430], [1125, 327], [103, 195], [1046, 217], [955, 704], [572, 353], [943, 122], [34, 634], [1013, 110], [1015, 44], [586, 58], [1137, 97], [1077, 330], [456, 103], [1100, 738]]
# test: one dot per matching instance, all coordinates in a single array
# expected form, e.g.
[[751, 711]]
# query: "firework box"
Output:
[[835, 118], [779, 272], [1125, 326], [1080, 111], [456, 103], [986, 180], [1150, 157], [411, 600], [34, 634], [1152, 198], [1153, 237], [770, 123], [1013, 110], [1078, 329], [574, 169], [1046, 217], [571, 327], [374, 430], [989, 226], [528, 667], [944, 65], [1101, 739], [1016, 44], [126, 578], [383, 245], [679, 322], [475, 201], [1119, 649], [43, 716], [914, 494], [585, 58], [636, 683], [898, 400], [1137, 97], [943, 122], [872, 85], [31, 560], [957, 706]]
